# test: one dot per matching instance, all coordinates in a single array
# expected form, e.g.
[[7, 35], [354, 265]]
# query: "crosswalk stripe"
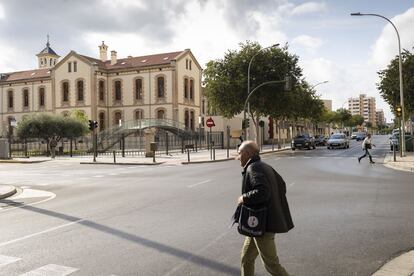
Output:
[[51, 270], [5, 260]]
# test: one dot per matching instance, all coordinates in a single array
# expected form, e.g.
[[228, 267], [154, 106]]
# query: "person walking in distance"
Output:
[[367, 145], [262, 186]]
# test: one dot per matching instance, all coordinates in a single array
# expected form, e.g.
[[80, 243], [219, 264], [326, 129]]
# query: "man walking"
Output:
[[367, 145], [262, 186]]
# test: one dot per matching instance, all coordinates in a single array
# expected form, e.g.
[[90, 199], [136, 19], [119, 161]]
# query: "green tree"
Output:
[[50, 127], [226, 84], [389, 85]]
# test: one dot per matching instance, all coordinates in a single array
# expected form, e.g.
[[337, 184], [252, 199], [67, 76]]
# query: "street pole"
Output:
[[246, 136], [402, 135]]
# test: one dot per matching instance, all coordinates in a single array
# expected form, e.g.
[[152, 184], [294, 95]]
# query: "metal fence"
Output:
[[131, 143]]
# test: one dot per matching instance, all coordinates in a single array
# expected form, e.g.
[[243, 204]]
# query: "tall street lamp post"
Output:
[[401, 78], [248, 83]]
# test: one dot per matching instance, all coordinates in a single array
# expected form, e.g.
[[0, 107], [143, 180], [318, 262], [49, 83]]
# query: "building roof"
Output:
[[25, 75], [136, 62], [48, 50]]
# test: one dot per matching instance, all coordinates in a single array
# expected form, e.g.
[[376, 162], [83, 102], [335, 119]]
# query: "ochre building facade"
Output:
[[110, 91]]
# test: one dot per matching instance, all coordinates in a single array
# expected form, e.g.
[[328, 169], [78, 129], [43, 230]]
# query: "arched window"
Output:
[[101, 90], [139, 114], [160, 87], [191, 89], [185, 88], [65, 92], [10, 99], [41, 97], [161, 114], [101, 121], [192, 120], [118, 90], [117, 117], [138, 89], [26, 98], [79, 87], [186, 119]]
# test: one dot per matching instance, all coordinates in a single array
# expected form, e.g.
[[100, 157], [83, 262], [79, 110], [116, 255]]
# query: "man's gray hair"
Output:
[[250, 147]]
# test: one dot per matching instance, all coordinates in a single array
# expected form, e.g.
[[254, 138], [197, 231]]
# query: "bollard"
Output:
[[214, 153], [393, 149], [153, 156], [114, 152], [188, 155]]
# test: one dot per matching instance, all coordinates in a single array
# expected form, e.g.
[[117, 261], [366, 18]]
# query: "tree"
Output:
[[389, 85], [50, 127], [226, 84]]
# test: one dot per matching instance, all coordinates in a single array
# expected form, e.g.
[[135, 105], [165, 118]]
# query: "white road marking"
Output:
[[291, 184], [113, 174], [98, 176], [5, 260], [30, 193], [51, 270], [40, 233], [199, 183]]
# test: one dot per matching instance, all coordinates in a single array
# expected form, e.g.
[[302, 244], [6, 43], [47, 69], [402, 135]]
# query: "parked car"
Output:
[[354, 135], [320, 140], [338, 140], [303, 141], [361, 136]]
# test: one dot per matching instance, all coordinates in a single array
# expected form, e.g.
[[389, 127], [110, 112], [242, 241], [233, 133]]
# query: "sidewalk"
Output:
[[403, 163]]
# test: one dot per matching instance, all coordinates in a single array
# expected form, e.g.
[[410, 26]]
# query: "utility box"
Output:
[[4, 148], [153, 146]]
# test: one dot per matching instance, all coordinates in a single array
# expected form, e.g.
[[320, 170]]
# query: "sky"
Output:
[[346, 51]]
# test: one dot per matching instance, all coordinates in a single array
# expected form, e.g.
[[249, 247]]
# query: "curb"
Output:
[[400, 265], [389, 163], [22, 162], [126, 164], [10, 193]]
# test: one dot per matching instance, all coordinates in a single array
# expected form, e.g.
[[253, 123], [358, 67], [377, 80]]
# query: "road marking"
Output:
[[5, 260], [291, 184], [30, 193], [98, 176], [199, 183], [32, 204], [51, 270], [40, 233]]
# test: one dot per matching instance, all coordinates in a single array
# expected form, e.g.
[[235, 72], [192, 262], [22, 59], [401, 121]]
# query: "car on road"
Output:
[[354, 135], [361, 136], [303, 141], [320, 140], [338, 140]]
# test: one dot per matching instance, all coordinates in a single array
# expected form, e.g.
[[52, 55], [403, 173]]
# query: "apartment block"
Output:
[[364, 106]]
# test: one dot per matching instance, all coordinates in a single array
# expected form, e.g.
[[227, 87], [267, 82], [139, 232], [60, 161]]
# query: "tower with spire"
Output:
[[47, 58]]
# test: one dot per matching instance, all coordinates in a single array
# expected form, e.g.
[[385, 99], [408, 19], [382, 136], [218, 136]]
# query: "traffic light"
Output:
[[398, 111], [245, 123], [93, 125]]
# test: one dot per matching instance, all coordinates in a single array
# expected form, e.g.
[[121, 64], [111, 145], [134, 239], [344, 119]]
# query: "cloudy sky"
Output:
[[347, 51]]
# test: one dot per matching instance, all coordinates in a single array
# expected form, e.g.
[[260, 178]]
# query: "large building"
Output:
[[380, 118], [165, 86], [364, 106]]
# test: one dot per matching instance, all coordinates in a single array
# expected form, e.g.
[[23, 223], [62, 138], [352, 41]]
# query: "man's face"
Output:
[[243, 157]]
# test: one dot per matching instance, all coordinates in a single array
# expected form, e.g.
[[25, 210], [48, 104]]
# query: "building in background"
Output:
[[162, 86], [380, 118], [327, 104], [364, 106]]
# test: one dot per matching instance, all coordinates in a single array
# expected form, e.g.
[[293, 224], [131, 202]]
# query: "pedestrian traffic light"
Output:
[[398, 111], [93, 125]]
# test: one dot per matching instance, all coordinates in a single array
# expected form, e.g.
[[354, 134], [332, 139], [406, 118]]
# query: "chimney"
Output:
[[103, 49], [113, 57]]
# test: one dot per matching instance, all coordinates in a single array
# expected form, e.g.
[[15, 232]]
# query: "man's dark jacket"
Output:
[[263, 186]]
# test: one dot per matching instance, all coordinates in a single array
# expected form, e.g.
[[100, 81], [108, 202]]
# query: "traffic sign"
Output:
[[210, 122]]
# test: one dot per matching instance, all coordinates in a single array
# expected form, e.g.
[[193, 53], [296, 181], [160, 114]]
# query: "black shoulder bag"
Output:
[[251, 222]]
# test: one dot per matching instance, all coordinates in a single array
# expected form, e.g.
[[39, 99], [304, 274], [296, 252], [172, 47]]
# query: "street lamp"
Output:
[[248, 81], [401, 77], [322, 82]]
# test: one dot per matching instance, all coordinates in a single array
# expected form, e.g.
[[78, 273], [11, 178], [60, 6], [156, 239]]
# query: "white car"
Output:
[[338, 140]]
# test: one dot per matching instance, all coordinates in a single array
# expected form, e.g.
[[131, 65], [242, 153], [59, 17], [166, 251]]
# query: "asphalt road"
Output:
[[72, 219]]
